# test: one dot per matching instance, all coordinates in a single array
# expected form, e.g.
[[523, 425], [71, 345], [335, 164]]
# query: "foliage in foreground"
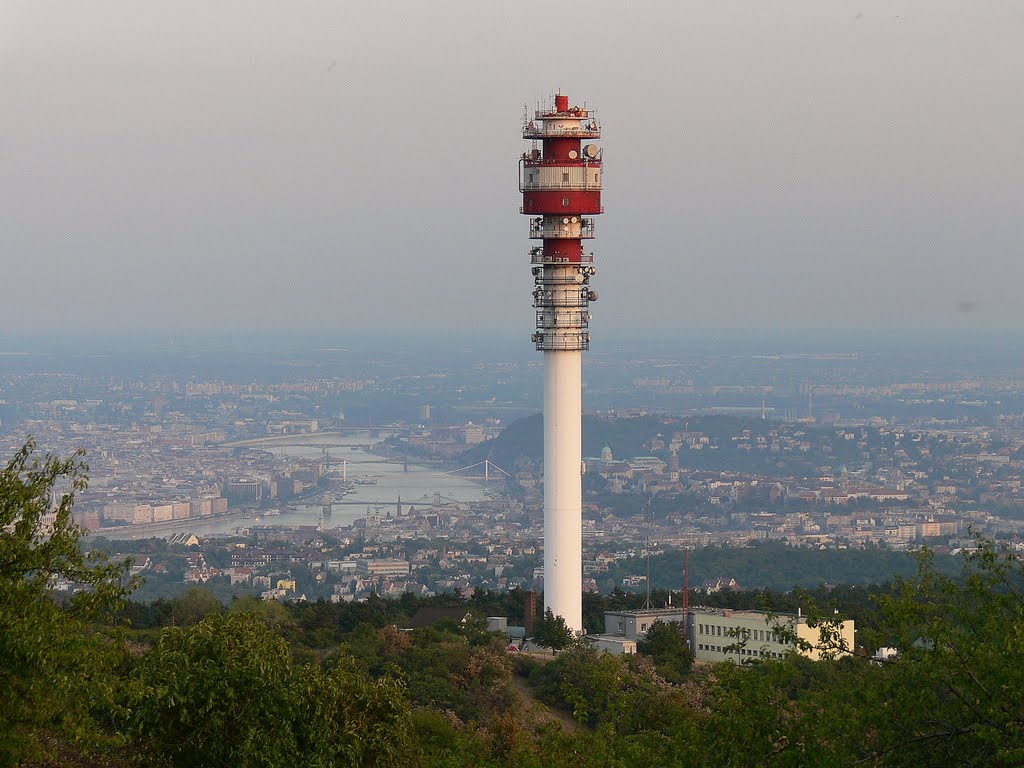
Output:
[[53, 666], [225, 692], [271, 685]]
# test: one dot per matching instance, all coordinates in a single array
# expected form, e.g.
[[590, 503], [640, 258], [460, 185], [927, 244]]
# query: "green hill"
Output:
[[523, 439]]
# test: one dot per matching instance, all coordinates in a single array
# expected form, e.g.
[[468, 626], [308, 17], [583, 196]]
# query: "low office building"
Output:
[[615, 645], [723, 634], [633, 625], [388, 568], [740, 636]]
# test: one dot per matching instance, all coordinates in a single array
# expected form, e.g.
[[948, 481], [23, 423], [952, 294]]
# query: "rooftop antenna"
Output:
[[686, 578], [650, 521], [686, 592]]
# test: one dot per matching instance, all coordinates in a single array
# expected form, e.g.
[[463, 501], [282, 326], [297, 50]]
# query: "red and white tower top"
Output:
[[560, 178]]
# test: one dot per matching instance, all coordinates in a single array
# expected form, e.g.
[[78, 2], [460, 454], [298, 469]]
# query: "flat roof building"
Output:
[[722, 634], [633, 625]]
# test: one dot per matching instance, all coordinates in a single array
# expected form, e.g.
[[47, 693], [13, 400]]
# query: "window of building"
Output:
[[565, 178]]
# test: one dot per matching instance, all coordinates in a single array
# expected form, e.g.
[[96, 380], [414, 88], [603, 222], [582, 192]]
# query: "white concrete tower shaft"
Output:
[[563, 508], [560, 178]]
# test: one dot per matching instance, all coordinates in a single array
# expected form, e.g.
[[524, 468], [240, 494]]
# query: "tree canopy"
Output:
[[666, 644], [54, 668], [552, 632]]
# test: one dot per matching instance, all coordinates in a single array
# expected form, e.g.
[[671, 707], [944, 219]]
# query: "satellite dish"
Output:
[[590, 150]]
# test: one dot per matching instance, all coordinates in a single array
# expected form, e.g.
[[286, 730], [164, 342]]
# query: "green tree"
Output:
[[194, 605], [225, 692], [665, 643], [55, 671], [953, 696], [957, 685], [211, 694], [345, 718], [552, 632]]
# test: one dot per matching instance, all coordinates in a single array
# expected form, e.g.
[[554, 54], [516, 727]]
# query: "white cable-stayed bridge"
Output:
[[485, 471]]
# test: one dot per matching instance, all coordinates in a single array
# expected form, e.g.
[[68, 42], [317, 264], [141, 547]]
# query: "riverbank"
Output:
[[394, 482]]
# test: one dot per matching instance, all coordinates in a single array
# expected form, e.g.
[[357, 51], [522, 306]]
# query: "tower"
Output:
[[560, 178]]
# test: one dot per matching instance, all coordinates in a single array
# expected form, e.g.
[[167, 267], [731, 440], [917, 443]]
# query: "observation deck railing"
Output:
[[544, 131], [581, 185], [588, 213], [574, 300], [541, 230], [568, 320], [540, 258], [562, 341]]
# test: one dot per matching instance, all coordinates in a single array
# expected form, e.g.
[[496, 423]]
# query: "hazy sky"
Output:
[[217, 165]]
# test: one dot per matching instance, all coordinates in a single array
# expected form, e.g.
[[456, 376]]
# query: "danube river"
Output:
[[383, 483]]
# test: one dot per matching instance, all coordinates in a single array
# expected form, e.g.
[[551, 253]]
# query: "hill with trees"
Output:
[[523, 439], [775, 565]]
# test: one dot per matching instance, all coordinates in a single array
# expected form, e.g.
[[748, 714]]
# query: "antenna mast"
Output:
[[650, 522], [686, 593], [686, 582]]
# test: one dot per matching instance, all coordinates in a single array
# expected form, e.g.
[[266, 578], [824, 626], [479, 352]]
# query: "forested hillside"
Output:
[[775, 565], [523, 439]]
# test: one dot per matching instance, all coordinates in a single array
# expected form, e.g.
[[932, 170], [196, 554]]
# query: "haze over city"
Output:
[[266, 166]]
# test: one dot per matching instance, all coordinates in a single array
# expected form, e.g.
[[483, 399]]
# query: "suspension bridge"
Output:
[[487, 467]]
